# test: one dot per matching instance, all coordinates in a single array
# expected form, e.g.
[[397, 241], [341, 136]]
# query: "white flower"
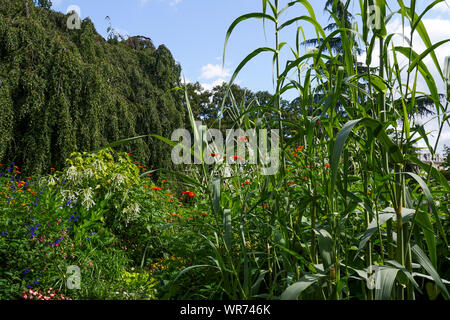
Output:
[[69, 195], [98, 166], [87, 198], [118, 180], [131, 210], [88, 173], [73, 175]]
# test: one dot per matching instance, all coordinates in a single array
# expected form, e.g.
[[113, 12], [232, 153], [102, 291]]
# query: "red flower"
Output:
[[191, 195], [291, 183], [327, 165], [243, 138]]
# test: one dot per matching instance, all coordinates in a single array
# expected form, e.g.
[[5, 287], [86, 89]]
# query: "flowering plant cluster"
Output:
[[50, 294]]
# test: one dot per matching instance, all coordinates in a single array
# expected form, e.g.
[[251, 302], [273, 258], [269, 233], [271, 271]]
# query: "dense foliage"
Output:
[[71, 90], [350, 212]]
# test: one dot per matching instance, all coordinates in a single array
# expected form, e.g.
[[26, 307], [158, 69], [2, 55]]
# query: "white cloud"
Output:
[[212, 71], [210, 86], [438, 29], [175, 2], [442, 8], [171, 3]]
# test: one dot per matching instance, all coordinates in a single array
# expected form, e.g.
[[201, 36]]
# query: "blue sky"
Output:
[[194, 31]]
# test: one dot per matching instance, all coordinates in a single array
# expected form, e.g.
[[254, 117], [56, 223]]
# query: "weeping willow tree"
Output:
[[67, 90]]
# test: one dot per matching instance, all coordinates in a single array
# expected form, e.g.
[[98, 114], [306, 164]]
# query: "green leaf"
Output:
[[216, 196], [293, 291], [227, 227], [325, 247], [435, 173], [431, 203], [431, 83], [254, 15], [384, 282], [379, 133], [248, 58], [426, 264], [419, 59]]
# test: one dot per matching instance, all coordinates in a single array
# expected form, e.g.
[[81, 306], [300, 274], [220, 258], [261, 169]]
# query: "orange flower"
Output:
[[24, 204], [327, 165], [29, 190], [191, 195], [53, 169], [157, 189], [204, 214], [243, 138]]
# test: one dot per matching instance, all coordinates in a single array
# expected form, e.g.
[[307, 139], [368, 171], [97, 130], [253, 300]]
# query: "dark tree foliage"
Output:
[[71, 90]]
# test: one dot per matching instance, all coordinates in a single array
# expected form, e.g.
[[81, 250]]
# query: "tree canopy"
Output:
[[65, 90]]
